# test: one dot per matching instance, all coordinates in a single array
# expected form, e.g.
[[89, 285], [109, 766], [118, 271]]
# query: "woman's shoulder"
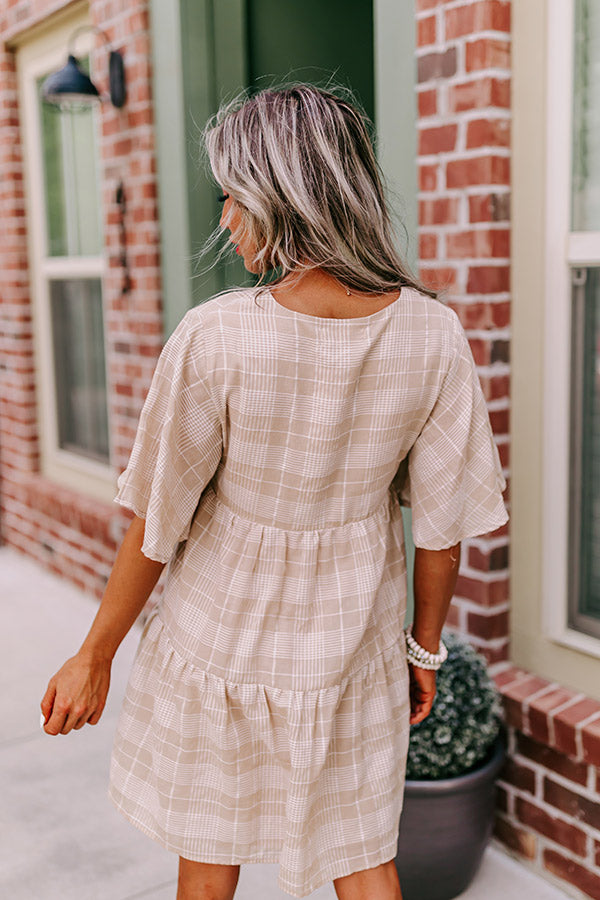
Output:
[[227, 302], [424, 313]]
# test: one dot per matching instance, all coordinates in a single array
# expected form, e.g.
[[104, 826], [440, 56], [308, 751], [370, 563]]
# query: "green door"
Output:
[[313, 42]]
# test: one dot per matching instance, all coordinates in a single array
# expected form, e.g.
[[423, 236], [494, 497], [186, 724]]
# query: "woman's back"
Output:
[[319, 411]]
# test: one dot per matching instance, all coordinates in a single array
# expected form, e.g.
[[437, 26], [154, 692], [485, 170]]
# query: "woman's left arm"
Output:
[[434, 581]]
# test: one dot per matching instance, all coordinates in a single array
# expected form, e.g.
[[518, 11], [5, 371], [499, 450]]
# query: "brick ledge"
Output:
[[551, 714], [93, 518]]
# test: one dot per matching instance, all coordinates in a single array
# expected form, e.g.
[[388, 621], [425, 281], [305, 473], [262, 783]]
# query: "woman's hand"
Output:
[[76, 694], [422, 692]]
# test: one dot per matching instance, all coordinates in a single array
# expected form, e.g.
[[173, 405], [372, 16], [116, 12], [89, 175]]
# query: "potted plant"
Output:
[[454, 757]]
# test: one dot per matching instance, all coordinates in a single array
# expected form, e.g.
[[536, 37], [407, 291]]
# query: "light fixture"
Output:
[[71, 86]]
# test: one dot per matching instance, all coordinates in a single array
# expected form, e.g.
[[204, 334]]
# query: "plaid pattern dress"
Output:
[[267, 713]]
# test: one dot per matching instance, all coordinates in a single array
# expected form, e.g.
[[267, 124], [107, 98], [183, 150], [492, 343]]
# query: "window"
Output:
[[584, 240], [67, 266], [555, 281], [571, 436]]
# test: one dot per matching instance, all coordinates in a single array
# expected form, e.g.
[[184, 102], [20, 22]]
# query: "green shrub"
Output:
[[464, 721]]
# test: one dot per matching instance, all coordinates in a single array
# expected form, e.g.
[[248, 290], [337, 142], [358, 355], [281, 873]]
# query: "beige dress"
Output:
[[267, 713]]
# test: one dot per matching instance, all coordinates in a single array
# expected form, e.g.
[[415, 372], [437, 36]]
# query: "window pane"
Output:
[[70, 164], [79, 365], [585, 493], [585, 213]]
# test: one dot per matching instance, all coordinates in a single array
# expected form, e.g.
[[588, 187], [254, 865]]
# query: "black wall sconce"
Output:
[[71, 86]]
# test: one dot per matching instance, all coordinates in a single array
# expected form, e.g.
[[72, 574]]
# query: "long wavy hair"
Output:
[[299, 164]]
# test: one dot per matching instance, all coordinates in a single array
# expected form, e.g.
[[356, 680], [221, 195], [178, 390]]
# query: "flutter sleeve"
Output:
[[178, 444], [452, 477]]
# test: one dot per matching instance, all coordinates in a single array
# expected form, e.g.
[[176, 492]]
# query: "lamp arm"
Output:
[[80, 30]]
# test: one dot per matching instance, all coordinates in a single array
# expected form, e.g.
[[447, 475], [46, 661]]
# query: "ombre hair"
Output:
[[299, 164]]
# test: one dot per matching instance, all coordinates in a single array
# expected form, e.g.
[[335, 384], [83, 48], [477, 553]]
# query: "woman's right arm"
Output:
[[77, 693]]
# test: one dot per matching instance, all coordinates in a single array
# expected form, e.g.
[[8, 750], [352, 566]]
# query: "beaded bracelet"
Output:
[[421, 657]]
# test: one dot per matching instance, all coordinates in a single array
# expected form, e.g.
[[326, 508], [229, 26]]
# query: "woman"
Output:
[[267, 713]]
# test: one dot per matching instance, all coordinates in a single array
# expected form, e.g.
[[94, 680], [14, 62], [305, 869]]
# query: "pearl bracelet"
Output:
[[421, 657]]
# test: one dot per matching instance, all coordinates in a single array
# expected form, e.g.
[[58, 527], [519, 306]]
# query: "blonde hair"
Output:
[[299, 164]]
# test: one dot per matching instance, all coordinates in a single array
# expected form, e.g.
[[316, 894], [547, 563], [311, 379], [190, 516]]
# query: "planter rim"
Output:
[[468, 781]]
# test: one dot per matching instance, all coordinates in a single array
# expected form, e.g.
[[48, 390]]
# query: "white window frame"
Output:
[[45, 52], [564, 250]]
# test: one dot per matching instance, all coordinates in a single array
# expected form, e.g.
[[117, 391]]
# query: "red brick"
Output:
[[428, 177], [487, 53], [518, 839], [140, 117], [488, 627], [559, 831], [510, 675], [488, 133], [552, 759], [438, 211], [496, 654], [518, 775], [426, 31], [473, 315], [597, 854], [493, 561], [441, 139], [427, 103], [488, 279], [422, 5], [486, 15], [572, 872], [479, 242], [524, 688], [427, 245], [581, 808], [590, 736], [500, 421], [500, 319], [538, 721], [477, 170], [439, 278], [459, 21], [479, 93], [566, 720]]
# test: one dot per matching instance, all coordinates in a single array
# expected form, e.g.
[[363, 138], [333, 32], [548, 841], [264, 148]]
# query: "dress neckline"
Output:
[[379, 313]]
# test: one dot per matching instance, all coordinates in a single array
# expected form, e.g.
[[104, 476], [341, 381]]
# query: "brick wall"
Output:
[[71, 534], [463, 67], [549, 791]]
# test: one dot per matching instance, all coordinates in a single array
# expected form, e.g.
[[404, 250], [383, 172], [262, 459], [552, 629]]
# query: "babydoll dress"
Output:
[[266, 717]]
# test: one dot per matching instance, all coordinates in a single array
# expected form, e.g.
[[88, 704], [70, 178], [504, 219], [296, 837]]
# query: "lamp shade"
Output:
[[70, 84]]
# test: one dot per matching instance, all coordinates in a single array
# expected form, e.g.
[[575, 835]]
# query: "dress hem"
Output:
[[272, 858]]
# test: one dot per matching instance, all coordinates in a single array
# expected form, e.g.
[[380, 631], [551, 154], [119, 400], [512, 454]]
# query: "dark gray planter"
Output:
[[445, 827]]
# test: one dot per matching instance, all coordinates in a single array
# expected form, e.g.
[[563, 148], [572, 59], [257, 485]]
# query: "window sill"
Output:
[[576, 640], [92, 479]]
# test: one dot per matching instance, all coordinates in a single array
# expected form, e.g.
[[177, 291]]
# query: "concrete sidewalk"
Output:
[[61, 836]]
